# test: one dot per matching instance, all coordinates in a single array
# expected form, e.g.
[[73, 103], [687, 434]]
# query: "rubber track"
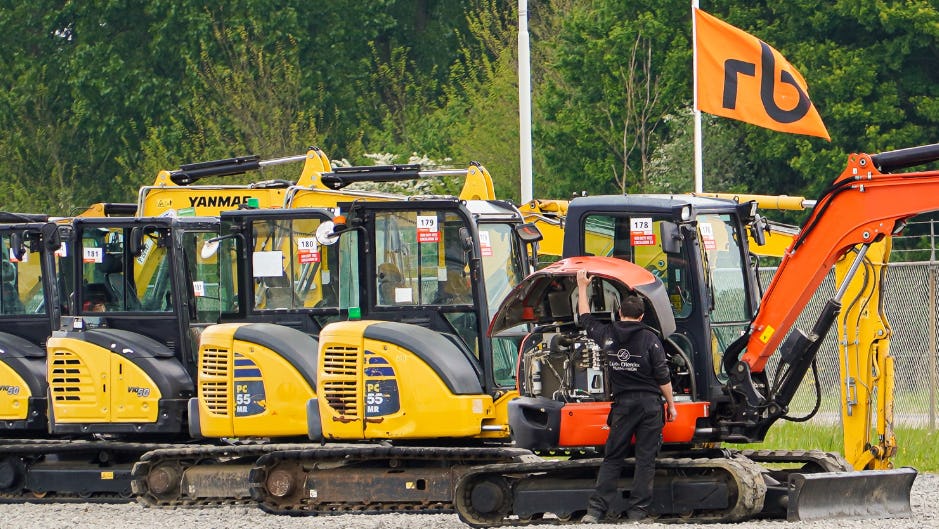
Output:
[[826, 461], [744, 478], [37, 448], [307, 458], [188, 456]]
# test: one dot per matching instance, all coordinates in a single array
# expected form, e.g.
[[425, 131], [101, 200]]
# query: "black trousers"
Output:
[[642, 415]]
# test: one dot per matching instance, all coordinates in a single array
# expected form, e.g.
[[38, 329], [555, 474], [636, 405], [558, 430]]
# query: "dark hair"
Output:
[[632, 306]]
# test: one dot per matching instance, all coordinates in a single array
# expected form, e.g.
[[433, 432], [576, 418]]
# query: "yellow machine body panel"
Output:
[[14, 394], [498, 426], [203, 201], [90, 384], [478, 184], [371, 389], [315, 197], [315, 164], [134, 396], [549, 216], [248, 390]]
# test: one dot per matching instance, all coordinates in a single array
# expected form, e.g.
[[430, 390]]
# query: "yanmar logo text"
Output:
[[217, 202]]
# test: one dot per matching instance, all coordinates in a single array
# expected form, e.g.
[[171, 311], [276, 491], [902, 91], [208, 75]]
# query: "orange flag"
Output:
[[742, 77]]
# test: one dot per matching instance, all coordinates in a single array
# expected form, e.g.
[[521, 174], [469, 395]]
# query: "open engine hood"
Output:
[[550, 294]]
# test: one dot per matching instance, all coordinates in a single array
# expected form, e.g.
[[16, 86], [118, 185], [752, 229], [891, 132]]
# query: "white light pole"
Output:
[[524, 102]]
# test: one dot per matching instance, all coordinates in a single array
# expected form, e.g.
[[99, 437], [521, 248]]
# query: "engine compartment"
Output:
[[559, 362]]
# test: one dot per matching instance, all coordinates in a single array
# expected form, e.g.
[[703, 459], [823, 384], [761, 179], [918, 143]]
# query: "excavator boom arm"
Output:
[[861, 207]]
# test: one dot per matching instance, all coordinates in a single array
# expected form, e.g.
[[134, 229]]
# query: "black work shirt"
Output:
[[634, 354]]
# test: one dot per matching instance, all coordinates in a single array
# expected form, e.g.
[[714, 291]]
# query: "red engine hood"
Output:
[[546, 296]]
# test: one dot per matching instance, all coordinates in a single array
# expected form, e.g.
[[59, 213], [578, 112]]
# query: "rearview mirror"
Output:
[[17, 246], [51, 237], [209, 248], [529, 232], [758, 229], [326, 233], [466, 240], [135, 244], [671, 237]]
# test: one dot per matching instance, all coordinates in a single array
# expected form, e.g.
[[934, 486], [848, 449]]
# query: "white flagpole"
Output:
[[698, 157], [524, 102]]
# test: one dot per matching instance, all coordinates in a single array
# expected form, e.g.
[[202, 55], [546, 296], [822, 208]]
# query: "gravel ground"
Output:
[[925, 502]]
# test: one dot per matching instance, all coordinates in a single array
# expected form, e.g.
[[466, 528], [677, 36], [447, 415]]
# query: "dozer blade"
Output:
[[860, 494]]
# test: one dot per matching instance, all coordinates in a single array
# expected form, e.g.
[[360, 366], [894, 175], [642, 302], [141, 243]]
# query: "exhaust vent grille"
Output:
[[70, 379], [214, 366]]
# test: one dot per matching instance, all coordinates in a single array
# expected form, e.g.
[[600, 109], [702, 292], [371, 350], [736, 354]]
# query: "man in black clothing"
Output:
[[639, 379]]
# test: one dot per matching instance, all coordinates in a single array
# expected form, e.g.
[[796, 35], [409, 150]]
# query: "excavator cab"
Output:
[[257, 373], [29, 304], [123, 361], [697, 247]]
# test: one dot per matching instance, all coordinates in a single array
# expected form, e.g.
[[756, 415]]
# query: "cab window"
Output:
[[114, 280], [21, 289], [637, 239], [292, 270]]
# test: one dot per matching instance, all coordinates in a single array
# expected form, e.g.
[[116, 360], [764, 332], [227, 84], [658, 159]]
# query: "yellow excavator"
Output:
[[33, 300], [408, 267], [29, 310]]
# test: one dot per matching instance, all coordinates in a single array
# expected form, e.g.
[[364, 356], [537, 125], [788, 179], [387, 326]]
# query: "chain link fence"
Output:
[[910, 305]]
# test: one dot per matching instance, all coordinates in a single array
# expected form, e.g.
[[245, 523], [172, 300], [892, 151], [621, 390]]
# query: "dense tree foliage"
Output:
[[96, 97]]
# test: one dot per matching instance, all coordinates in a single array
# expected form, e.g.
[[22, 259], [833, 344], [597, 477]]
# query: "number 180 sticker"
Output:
[[707, 235], [308, 250]]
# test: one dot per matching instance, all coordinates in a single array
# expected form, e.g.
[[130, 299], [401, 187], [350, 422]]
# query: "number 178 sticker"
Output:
[[641, 232]]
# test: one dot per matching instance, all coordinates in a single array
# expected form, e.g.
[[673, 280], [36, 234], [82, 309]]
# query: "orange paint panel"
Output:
[[584, 424]]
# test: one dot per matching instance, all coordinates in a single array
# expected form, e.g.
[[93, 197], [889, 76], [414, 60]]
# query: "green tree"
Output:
[[582, 105]]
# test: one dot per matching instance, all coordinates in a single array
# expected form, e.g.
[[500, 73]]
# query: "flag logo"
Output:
[[741, 77]]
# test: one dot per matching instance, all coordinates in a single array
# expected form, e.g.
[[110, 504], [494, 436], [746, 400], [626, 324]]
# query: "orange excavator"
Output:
[[721, 335]]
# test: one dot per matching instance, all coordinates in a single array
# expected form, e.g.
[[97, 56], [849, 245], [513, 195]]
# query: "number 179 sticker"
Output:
[[427, 228]]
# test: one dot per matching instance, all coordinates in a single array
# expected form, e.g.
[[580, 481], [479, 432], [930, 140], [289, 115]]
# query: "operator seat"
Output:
[[389, 279], [10, 300], [119, 289]]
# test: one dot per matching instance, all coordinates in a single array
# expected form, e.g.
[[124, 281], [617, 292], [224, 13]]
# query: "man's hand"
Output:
[[582, 280], [671, 412]]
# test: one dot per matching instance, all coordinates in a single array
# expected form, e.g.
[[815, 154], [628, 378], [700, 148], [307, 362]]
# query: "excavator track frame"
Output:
[[729, 486], [172, 477], [727, 489], [53, 471], [405, 479]]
